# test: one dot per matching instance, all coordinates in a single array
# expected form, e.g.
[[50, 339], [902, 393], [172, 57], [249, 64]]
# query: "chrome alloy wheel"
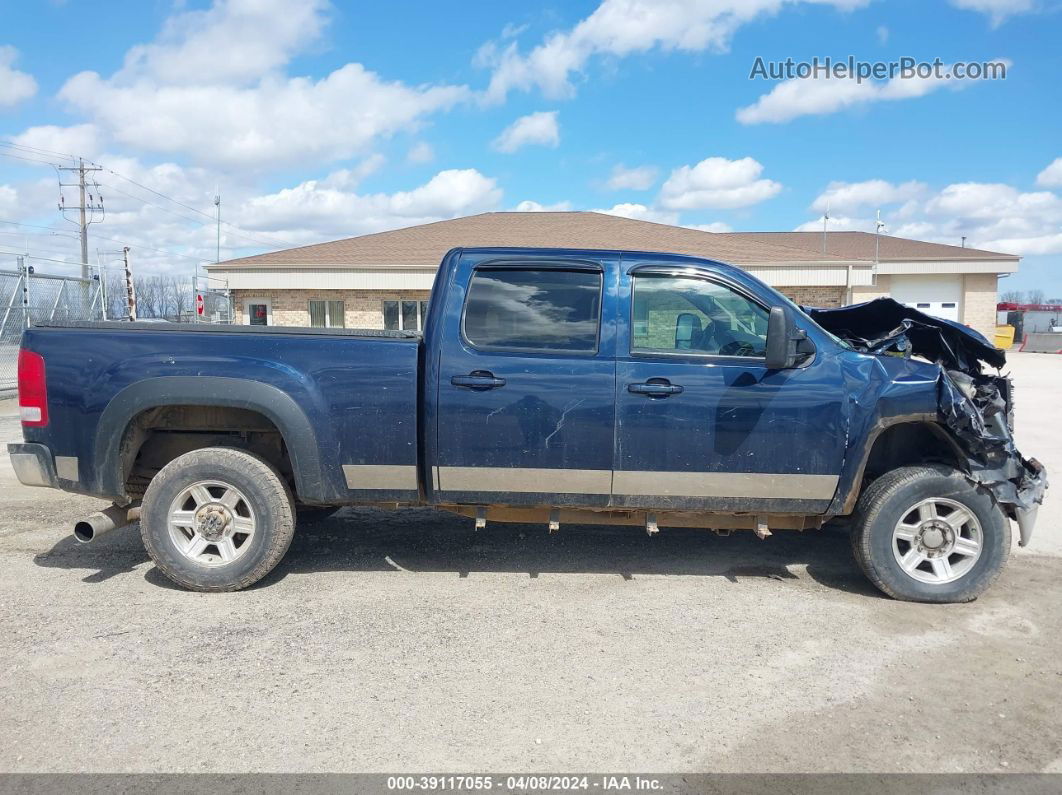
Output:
[[937, 541], [211, 523]]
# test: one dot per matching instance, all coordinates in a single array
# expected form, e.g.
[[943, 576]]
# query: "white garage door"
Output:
[[940, 296]]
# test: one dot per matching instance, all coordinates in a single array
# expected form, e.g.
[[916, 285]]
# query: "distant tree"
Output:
[[178, 296], [1012, 297], [1054, 300], [116, 299], [1036, 296]]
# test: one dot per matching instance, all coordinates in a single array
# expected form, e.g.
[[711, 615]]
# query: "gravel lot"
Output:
[[398, 642]]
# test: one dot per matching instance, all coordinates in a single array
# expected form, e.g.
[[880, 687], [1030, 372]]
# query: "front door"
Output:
[[525, 412], [702, 424]]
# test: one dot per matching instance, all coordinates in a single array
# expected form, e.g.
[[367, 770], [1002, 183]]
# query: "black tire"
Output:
[[312, 514], [264, 490], [889, 498]]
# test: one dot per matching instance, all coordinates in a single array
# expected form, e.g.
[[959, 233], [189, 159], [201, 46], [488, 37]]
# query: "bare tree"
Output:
[[1012, 297], [116, 298], [178, 296], [1054, 301], [1036, 296], [150, 296]]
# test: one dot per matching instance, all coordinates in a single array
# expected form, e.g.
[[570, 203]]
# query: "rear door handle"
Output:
[[656, 387], [479, 380]]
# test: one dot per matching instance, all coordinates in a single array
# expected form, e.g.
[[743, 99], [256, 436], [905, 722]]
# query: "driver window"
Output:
[[677, 314]]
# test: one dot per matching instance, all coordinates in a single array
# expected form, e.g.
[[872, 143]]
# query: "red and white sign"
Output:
[[199, 305]]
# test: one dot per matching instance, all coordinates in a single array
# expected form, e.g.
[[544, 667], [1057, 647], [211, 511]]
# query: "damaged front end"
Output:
[[975, 406]]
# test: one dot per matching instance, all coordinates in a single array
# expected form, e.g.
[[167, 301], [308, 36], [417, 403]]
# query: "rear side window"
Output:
[[533, 310]]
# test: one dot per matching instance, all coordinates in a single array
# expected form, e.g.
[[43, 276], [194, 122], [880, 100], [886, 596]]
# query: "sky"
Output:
[[318, 120]]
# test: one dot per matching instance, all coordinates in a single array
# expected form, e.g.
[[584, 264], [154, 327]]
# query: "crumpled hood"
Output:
[[883, 324], [975, 406]]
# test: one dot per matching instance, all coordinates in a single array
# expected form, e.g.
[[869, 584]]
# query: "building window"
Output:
[[258, 312], [407, 315], [327, 314]]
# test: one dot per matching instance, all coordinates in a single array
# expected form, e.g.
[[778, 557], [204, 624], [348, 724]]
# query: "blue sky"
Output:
[[320, 120]]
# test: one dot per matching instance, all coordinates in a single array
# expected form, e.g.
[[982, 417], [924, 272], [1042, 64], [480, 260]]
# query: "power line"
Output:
[[37, 149], [212, 219], [28, 159], [137, 246]]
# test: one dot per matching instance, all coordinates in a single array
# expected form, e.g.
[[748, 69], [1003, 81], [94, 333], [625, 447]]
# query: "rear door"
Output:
[[702, 424], [526, 379]]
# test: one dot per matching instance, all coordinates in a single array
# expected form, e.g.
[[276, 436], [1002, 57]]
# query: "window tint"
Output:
[[676, 314], [533, 309]]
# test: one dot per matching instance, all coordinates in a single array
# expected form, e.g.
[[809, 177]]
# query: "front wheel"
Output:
[[926, 534], [217, 519]]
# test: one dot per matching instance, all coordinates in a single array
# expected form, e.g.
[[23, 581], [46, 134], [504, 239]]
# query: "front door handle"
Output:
[[479, 380], [655, 387]]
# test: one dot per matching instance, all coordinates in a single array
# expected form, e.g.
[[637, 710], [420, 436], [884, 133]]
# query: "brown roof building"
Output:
[[383, 279]]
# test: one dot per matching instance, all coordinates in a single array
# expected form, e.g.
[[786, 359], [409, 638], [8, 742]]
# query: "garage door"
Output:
[[940, 296]]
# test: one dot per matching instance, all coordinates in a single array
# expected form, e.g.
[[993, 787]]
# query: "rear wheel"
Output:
[[217, 519], [926, 534]]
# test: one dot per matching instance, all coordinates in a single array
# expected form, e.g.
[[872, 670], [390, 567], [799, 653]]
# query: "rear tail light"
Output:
[[32, 389]]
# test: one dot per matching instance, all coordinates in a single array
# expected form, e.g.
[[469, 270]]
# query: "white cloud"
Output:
[[211, 87], [640, 212], [621, 28], [812, 96], [882, 33], [996, 10], [8, 201], [847, 196], [314, 210], [1051, 177], [536, 128], [15, 86], [420, 152], [639, 178], [717, 183], [528, 206], [79, 139], [992, 216], [715, 226], [232, 42]]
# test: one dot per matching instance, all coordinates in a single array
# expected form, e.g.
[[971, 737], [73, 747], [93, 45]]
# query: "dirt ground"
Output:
[[399, 642]]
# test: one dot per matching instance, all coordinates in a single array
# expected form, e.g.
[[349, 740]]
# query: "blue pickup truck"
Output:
[[550, 386]]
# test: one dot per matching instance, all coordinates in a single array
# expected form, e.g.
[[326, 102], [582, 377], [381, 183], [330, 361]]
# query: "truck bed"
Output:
[[344, 400]]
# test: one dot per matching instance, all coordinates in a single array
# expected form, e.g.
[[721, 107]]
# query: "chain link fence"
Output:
[[28, 298]]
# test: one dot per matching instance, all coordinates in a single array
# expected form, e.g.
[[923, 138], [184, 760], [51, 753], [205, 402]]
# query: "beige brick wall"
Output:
[[361, 308], [814, 296], [869, 292], [979, 297]]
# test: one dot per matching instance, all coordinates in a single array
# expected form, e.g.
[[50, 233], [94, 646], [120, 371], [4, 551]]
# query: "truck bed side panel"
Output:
[[345, 404]]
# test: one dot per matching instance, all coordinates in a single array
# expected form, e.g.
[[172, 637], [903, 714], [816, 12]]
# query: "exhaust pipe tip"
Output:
[[84, 531], [95, 525]]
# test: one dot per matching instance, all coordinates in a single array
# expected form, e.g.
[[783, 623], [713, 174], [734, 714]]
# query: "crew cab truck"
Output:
[[550, 386]]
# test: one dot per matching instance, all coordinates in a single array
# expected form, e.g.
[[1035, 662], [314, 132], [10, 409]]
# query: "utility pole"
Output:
[[217, 204], [879, 227], [825, 219], [86, 210], [130, 291]]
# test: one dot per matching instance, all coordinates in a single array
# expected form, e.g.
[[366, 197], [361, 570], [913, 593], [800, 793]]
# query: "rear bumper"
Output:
[[33, 464]]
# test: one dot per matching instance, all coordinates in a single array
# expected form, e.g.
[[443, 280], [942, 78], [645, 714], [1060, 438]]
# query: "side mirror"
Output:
[[687, 328], [785, 342]]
